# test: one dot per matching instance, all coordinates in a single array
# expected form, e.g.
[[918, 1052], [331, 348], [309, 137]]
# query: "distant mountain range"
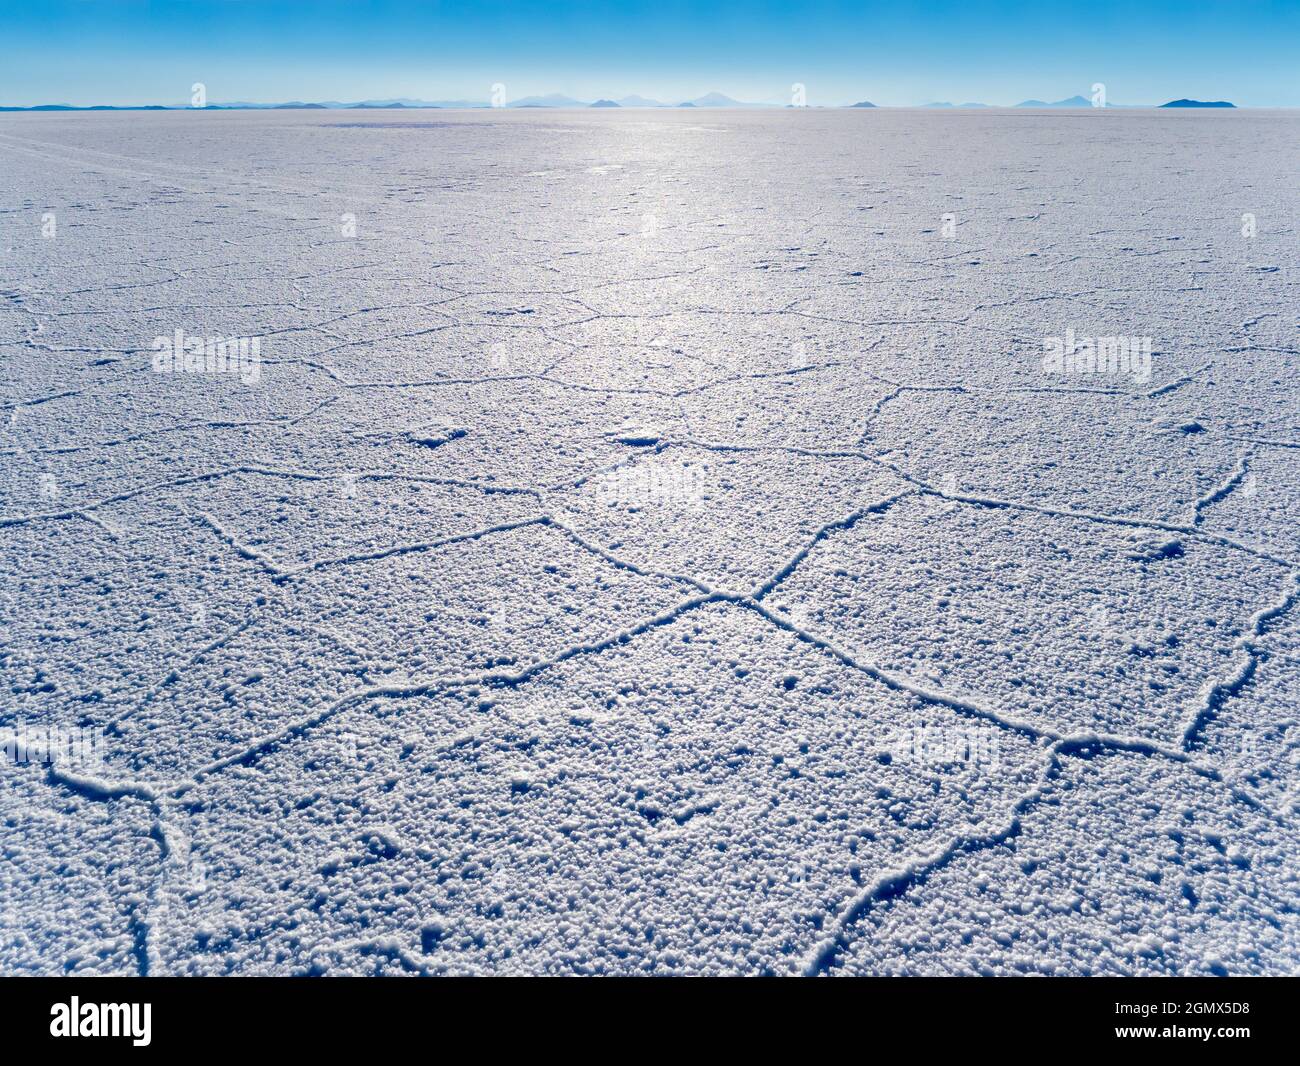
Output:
[[558, 100], [1083, 101], [293, 105], [713, 99]]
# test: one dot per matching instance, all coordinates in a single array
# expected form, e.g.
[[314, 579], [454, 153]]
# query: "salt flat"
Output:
[[650, 542]]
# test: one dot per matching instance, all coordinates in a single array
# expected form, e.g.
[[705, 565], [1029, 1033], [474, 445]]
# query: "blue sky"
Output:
[[135, 51]]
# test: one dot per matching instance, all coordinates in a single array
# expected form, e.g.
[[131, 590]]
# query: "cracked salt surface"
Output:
[[640, 553]]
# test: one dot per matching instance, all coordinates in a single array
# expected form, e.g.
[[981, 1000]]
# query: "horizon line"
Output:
[[533, 102]]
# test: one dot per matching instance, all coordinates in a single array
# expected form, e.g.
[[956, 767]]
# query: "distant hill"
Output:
[[550, 100], [686, 103], [605, 103], [1198, 103], [1073, 101], [717, 99], [863, 103], [714, 99]]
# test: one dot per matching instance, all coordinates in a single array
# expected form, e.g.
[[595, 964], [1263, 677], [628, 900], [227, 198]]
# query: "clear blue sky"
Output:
[[135, 51]]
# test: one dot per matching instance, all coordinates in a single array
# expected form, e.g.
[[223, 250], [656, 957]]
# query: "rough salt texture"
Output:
[[652, 544]]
